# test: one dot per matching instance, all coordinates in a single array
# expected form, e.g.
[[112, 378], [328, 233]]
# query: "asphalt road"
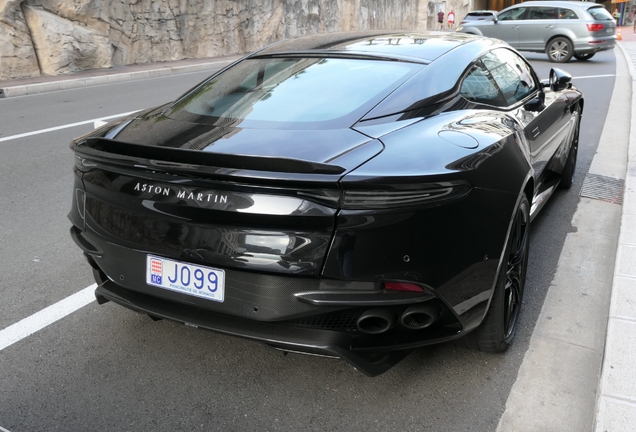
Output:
[[107, 368]]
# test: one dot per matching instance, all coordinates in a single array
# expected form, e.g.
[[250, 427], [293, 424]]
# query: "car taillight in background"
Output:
[[595, 27]]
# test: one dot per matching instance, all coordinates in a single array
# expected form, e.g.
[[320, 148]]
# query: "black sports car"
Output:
[[354, 195]]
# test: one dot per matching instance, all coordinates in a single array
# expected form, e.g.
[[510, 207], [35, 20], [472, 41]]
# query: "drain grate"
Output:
[[603, 188]]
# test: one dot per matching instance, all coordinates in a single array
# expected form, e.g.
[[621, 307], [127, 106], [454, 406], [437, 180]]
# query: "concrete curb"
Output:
[[45, 87], [616, 403]]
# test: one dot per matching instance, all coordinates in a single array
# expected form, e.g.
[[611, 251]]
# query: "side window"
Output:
[[512, 14], [542, 13], [567, 14], [479, 87], [512, 75]]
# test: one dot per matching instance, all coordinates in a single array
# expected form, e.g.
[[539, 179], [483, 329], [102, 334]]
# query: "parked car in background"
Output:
[[561, 29], [352, 195], [479, 15]]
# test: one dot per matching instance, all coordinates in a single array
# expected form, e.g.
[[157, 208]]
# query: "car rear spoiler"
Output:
[[182, 160]]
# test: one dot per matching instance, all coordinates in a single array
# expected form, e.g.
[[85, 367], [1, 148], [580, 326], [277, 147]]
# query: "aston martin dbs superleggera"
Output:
[[354, 195]]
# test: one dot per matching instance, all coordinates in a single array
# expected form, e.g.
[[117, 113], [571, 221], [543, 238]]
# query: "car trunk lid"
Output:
[[246, 205]]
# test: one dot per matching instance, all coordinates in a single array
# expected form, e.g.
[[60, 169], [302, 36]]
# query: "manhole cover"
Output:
[[603, 188]]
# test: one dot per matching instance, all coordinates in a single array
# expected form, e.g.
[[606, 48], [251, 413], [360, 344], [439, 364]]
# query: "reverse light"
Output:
[[595, 27], [402, 286]]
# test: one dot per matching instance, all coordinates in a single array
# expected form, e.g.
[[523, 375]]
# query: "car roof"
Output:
[[445, 57], [410, 46]]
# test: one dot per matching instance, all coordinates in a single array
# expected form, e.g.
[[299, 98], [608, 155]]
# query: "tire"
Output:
[[497, 330], [559, 50], [567, 176], [583, 57]]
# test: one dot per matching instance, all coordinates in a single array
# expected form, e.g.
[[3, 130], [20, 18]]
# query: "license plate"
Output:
[[194, 280]]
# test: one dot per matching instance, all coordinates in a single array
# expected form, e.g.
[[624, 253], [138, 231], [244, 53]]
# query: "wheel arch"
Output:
[[567, 36]]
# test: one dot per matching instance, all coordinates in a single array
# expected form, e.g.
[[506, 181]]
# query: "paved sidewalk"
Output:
[[557, 384], [616, 405]]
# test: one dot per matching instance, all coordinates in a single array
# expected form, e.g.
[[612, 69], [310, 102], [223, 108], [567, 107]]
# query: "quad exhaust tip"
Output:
[[419, 316], [375, 321], [379, 320]]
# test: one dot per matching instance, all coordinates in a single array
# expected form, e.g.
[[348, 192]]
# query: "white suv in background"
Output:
[[561, 29]]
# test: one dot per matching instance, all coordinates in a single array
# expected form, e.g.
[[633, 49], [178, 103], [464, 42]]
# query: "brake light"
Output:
[[402, 286], [595, 27]]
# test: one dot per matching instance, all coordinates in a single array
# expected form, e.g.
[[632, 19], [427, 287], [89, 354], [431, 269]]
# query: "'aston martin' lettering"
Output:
[[158, 190], [204, 197]]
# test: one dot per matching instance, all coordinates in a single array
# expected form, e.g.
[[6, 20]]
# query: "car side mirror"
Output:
[[536, 104], [559, 79], [495, 19]]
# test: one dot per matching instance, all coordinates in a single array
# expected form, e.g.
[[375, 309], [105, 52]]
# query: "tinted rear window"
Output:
[[599, 13], [487, 16], [293, 91]]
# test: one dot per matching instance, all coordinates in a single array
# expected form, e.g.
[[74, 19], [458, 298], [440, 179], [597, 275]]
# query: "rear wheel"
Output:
[[584, 57], [500, 323], [559, 50]]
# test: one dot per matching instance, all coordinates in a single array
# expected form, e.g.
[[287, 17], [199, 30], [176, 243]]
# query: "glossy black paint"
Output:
[[308, 222]]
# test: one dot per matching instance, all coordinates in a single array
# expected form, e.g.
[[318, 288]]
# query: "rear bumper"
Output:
[[596, 45], [288, 338], [358, 351], [309, 320]]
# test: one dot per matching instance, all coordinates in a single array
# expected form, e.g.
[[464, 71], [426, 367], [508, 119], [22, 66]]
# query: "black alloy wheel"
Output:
[[559, 50], [497, 330], [584, 57], [516, 270], [567, 176]]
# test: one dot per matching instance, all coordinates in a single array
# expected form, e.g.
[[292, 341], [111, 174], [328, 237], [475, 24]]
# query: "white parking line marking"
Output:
[[46, 317], [41, 131], [3, 429], [594, 76]]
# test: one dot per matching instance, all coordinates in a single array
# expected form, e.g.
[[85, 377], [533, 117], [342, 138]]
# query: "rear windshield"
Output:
[[474, 16], [293, 92], [599, 13]]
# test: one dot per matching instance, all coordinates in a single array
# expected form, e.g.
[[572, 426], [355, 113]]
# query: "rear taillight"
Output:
[[400, 198], [595, 27], [83, 165], [402, 286]]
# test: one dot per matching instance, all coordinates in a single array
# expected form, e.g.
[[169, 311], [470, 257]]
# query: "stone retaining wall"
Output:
[[55, 37]]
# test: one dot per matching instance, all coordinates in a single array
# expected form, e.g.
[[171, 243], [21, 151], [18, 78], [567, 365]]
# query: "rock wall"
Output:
[[56, 37]]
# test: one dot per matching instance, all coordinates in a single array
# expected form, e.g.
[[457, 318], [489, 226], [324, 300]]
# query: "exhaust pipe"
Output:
[[376, 321], [420, 316]]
